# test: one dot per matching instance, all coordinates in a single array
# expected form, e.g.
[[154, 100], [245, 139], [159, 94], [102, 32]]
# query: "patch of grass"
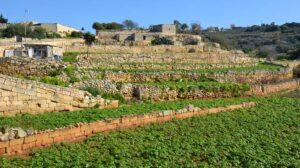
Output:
[[70, 57], [210, 86], [53, 81]]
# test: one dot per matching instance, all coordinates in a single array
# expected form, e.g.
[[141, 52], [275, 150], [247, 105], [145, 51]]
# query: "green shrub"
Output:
[[115, 96], [70, 57], [111, 96], [54, 81], [92, 90], [162, 41]]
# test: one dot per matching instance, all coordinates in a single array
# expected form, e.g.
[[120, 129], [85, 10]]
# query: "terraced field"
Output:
[[161, 85], [264, 136]]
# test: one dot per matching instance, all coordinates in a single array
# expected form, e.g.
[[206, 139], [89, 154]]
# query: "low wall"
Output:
[[29, 66], [82, 131], [266, 89], [160, 49], [254, 77], [130, 91], [23, 96]]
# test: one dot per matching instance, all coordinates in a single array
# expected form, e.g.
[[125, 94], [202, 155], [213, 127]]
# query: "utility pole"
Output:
[[26, 20]]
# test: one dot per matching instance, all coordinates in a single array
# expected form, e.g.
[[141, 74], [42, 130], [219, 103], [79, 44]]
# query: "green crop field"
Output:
[[260, 66], [264, 136]]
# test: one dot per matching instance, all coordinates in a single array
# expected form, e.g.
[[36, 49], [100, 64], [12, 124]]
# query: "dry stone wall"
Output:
[[133, 91], [29, 67], [231, 76], [25, 145], [22, 96]]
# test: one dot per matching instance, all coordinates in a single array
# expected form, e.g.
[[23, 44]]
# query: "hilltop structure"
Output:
[[55, 28], [161, 30]]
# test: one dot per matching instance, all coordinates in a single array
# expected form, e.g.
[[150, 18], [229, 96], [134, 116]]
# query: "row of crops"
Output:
[[263, 136]]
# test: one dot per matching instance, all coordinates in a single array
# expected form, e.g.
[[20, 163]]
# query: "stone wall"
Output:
[[133, 91], [240, 77], [162, 49], [78, 132], [29, 66], [266, 89], [22, 96]]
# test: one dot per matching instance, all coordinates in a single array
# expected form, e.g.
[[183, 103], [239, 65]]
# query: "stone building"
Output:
[[137, 35], [38, 51], [166, 29], [56, 28]]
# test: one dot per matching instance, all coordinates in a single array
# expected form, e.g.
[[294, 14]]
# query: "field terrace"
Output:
[[154, 88]]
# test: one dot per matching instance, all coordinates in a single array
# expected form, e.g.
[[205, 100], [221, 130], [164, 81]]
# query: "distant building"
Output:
[[3, 26], [166, 29], [138, 35], [37, 51], [56, 28]]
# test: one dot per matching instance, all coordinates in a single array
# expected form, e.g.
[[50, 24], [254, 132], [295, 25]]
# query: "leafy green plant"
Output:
[[70, 57], [54, 81], [263, 136], [162, 41], [92, 90]]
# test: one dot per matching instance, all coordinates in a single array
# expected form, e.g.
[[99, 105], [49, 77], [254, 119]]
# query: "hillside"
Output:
[[272, 41]]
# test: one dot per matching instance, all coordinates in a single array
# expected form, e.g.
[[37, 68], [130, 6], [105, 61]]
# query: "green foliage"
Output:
[[129, 24], [76, 34], [89, 38], [107, 26], [260, 66], [209, 86], [38, 33], [264, 136], [56, 120], [263, 53], [3, 19], [19, 30], [221, 39], [162, 41], [70, 71], [53, 81], [94, 91], [15, 30], [70, 57], [114, 96], [53, 35], [111, 96]]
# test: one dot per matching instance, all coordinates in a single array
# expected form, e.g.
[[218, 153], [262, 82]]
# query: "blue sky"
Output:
[[221, 13]]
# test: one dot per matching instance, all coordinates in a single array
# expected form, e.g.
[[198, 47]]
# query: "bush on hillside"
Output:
[[162, 41]]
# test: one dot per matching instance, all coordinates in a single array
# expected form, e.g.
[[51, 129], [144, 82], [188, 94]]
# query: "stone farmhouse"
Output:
[[37, 51], [56, 28], [137, 35]]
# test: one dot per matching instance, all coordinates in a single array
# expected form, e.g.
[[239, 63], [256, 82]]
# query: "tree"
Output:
[[196, 28], [184, 28], [162, 41], [129, 24], [89, 39], [76, 34], [98, 26], [2, 19], [177, 25], [107, 26], [38, 33], [15, 30]]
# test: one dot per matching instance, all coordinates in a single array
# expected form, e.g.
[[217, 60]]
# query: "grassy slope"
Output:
[[267, 135]]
